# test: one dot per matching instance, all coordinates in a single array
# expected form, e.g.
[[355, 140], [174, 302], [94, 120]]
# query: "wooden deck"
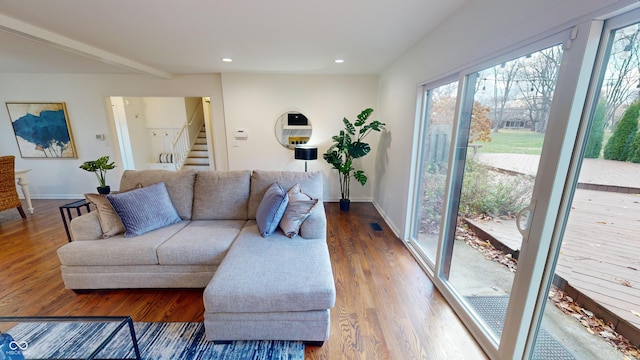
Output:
[[600, 251]]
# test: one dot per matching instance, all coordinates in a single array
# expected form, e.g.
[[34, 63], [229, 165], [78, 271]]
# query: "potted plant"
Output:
[[100, 167], [347, 146]]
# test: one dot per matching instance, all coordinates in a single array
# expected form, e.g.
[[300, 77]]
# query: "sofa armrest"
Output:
[[86, 227], [315, 226]]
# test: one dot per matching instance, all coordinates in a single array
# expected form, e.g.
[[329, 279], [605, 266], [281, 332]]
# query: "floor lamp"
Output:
[[306, 153]]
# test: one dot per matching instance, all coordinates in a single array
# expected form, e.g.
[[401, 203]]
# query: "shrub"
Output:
[[491, 193], [634, 151], [484, 192], [433, 184], [619, 144], [596, 133]]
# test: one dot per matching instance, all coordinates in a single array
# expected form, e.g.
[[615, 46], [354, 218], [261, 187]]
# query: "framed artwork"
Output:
[[42, 130]]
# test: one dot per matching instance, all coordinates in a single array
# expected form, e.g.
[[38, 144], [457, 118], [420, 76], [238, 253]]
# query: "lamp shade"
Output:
[[306, 153]]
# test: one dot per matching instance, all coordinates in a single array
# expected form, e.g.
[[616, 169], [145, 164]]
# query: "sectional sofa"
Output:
[[262, 281]]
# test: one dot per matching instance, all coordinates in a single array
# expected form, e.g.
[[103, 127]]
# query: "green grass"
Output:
[[523, 141], [514, 142]]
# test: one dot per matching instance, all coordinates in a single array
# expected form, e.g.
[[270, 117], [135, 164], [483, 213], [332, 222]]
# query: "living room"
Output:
[[469, 33]]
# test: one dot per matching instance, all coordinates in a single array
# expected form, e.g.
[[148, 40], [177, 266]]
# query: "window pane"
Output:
[[438, 126], [594, 302], [509, 118]]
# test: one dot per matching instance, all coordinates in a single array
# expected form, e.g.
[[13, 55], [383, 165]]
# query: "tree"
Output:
[[618, 146], [618, 86], [506, 75], [596, 133], [480, 123], [538, 79], [634, 151]]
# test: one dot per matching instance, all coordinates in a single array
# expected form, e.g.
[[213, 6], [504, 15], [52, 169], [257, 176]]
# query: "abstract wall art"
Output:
[[42, 130]]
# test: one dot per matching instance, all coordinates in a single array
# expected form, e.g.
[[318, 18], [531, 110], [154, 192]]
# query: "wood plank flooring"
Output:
[[386, 307]]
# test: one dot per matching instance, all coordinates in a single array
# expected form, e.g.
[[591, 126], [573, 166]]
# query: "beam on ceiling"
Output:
[[43, 36]]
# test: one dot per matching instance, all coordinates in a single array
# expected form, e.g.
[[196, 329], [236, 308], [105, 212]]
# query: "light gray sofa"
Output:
[[274, 288]]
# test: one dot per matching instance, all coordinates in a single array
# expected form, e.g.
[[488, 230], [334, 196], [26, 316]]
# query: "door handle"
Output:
[[523, 220]]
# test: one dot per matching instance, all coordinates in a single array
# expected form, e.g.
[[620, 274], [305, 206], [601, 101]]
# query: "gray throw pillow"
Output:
[[271, 209], [143, 210], [300, 206]]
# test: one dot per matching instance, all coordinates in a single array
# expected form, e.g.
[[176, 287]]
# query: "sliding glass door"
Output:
[[489, 214], [497, 167], [593, 284]]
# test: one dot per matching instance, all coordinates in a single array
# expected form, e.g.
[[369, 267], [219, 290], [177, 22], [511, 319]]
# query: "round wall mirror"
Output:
[[293, 128]]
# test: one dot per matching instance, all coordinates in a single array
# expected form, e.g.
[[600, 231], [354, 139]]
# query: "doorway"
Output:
[[170, 133]]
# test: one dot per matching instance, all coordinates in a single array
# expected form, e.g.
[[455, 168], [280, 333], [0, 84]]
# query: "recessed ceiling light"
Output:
[[338, 61], [227, 59]]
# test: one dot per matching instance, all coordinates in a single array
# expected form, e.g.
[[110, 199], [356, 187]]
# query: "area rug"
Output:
[[492, 309], [156, 341]]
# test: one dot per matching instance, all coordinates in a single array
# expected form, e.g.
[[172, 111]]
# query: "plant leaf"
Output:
[[359, 149], [349, 126], [360, 176]]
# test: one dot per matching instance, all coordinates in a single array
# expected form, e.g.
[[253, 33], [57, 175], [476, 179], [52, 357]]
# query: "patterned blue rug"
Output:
[[156, 341]]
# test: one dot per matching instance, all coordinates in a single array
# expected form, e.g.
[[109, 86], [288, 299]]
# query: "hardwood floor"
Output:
[[386, 308]]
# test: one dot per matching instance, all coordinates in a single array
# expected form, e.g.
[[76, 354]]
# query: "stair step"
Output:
[[198, 154], [201, 141], [196, 166], [200, 147], [198, 161]]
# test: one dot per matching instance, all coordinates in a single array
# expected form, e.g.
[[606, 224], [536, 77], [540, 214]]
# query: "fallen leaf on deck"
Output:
[[624, 282]]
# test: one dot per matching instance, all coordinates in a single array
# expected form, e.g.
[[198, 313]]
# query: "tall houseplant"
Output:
[[347, 146], [100, 167]]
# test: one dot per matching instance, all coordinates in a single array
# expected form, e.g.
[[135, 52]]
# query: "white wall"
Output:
[[255, 101], [475, 32], [251, 101], [165, 112], [142, 144], [85, 96]]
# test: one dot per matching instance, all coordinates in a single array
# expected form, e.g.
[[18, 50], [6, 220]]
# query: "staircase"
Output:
[[198, 157]]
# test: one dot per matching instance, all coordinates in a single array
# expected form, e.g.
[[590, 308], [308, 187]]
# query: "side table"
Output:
[[78, 204]]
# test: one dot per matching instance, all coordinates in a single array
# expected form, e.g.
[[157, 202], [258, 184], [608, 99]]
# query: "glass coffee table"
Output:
[[89, 337]]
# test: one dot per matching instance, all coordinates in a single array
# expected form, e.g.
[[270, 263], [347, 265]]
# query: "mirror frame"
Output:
[[291, 131]]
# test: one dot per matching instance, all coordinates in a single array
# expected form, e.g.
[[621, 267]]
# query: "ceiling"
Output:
[[166, 38]]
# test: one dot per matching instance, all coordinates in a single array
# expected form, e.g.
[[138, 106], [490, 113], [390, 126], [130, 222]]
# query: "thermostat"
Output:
[[241, 134]]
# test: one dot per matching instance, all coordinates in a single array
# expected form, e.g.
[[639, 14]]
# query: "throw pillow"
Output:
[[144, 210], [300, 206], [109, 221], [271, 209]]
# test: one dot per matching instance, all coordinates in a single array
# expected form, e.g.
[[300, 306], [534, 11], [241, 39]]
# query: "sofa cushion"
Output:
[[271, 208], [110, 222], [311, 182], [179, 185], [202, 242], [118, 250], [274, 274], [143, 210], [299, 208], [221, 195]]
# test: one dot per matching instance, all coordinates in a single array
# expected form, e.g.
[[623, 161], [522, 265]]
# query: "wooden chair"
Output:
[[8, 194]]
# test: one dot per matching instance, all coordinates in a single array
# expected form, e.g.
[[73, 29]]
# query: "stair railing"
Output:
[[183, 142], [180, 147]]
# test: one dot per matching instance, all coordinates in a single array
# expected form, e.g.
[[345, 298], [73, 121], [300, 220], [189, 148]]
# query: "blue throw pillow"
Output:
[[271, 209], [145, 209]]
